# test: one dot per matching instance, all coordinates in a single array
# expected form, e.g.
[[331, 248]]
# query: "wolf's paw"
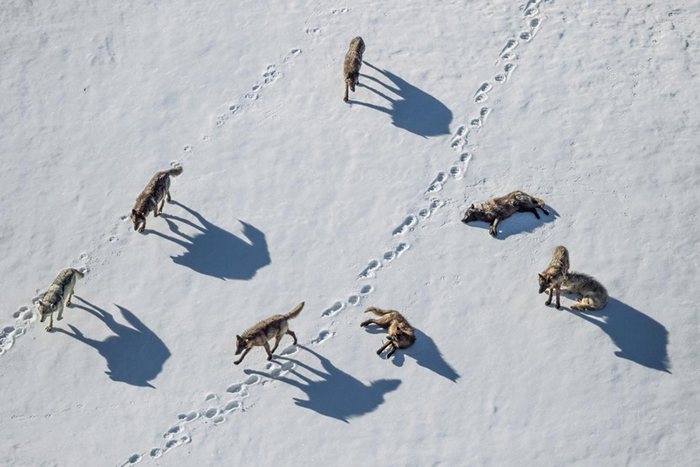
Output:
[[548, 302], [59, 318]]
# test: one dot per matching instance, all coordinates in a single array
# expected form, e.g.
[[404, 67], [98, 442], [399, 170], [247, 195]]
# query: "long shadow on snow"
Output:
[[135, 355], [424, 351], [518, 223], [337, 394], [414, 110], [640, 338], [215, 251]]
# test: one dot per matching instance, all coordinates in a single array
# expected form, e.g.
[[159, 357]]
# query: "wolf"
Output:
[[552, 277], [157, 191], [58, 295], [401, 334], [353, 62], [593, 294], [497, 209], [259, 335]]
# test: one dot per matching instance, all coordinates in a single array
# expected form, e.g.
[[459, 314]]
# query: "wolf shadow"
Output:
[[134, 355], [413, 110], [640, 338], [336, 394], [214, 251]]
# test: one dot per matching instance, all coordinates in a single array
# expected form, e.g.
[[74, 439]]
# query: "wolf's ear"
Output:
[[472, 206], [133, 212], [541, 276], [238, 338]]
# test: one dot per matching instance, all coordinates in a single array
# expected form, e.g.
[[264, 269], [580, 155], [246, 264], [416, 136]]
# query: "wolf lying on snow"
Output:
[[353, 62], [401, 335], [497, 209], [58, 295], [593, 295], [555, 274], [259, 335], [157, 191]]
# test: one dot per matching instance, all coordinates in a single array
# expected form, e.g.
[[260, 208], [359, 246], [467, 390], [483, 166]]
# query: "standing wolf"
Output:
[[497, 209], [401, 335], [593, 294], [259, 335], [157, 191], [555, 274], [351, 67], [58, 295]]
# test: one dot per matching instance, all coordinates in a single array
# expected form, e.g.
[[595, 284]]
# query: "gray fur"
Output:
[[58, 296], [555, 274], [351, 67], [259, 335], [401, 334], [156, 192], [593, 295], [497, 209]]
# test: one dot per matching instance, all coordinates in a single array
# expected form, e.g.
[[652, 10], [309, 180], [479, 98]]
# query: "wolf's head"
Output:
[[45, 309], [545, 282], [472, 214], [138, 218], [242, 343]]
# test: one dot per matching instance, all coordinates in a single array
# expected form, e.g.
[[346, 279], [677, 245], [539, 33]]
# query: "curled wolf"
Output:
[[156, 192], [259, 335], [351, 67], [555, 274], [497, 209], [58, 296], [593, 295], [401, 335]]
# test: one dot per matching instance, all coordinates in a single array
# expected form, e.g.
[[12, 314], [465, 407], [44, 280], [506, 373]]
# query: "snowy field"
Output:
[[288, 195]]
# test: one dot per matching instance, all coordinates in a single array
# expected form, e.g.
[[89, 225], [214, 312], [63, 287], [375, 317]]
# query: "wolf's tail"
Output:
[[295, 312], [78, 273], [377, 311], [175, 171]]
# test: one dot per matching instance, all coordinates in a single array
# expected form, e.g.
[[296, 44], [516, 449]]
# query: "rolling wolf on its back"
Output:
[[401, 334], [497, 209], [259, 335], [351, 67], [58, 296], [157, 191], [594, 295], [555, 274]]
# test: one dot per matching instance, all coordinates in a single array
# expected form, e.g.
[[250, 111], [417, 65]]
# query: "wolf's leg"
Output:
[[546, 213], [60, 312], [534, 211], [558, 297], [345, 96], [294, 336], [492, 229], [391, 352], [167, 196], [242, 356], [50, 326], [369, 321], [549, 300], [277, 343], [142, 226], [267, 349], [388, 343]]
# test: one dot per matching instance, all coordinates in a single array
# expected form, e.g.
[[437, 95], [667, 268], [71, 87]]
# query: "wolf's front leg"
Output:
[[50, 326], [534, 211], [242, 356], [60, 312], [267, 349], [381, 349], [391, 351], [345, 96], [558, 297], [549, 300], [277, 343], [492, 229], [142, 226]]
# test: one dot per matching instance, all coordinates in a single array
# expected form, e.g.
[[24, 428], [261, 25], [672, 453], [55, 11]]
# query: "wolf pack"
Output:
[[592, 295]]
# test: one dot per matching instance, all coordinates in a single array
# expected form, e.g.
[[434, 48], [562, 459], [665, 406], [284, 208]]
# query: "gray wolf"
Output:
[[156, 192], [497, 209], [555, 274], [351, 67], [593, 295], [401, 334], [58, 295], [259, 335]]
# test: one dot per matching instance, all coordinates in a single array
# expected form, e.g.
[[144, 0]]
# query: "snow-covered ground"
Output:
[[290, 195]]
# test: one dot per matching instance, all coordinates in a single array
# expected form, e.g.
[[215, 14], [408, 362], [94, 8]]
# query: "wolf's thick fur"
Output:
[[401, 335], [58, 295], [259, 335], [593, 294], [351, 67], [156, 192], [497, 209], [555, 274]]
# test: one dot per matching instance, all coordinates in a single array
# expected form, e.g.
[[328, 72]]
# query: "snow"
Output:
[[290, 195]]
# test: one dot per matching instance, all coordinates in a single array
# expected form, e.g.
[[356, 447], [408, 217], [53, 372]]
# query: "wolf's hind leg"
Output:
[[492, 229], [558, 297], [369, 321], [294, 336], [391, 351], [381, 349], [534, 211], [541, 206], [167, 196]]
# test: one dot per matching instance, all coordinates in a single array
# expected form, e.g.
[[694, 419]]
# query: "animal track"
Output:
[[372, 266], [333, 310], [322, 337], [508, 48], [436, 185], [313, 31], [354, 300], [408, 224]]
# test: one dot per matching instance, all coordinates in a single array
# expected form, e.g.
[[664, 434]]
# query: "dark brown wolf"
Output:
[[59, 294], [259, 335], [497, 209], [401, 335], [156, 192], [555, 274], [351, 67]]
